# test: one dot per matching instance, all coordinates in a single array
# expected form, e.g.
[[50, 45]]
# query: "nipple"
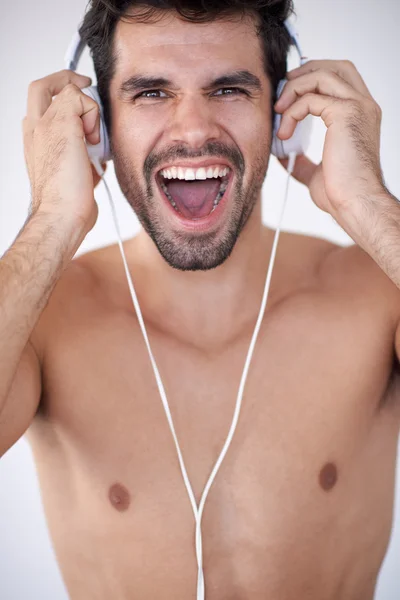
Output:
[[328, 476], [119, 497]]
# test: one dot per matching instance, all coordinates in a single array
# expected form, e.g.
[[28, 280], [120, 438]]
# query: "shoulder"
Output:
[[306, 254], [354, 271], [88, 280], [77, 295], [349, 272]]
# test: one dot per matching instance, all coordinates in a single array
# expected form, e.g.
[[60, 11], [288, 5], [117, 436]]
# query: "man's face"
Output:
[[191, 133]]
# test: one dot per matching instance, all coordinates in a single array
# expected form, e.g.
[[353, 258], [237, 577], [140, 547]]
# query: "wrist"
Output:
[[367, 215], [63, 233]]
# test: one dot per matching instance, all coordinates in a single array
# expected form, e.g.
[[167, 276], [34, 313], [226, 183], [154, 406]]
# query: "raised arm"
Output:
[[63, 211]]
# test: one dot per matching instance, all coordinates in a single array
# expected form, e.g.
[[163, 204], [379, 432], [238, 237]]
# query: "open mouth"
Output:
[[195, 193]]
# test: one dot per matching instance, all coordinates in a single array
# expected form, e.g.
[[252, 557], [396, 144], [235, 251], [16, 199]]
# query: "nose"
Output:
[[193, 122]]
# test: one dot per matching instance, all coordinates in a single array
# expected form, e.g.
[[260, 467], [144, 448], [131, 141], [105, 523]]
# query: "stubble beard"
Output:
[[186, 251]]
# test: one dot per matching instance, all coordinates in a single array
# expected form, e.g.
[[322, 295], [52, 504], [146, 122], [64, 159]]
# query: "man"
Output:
[[302, 505]]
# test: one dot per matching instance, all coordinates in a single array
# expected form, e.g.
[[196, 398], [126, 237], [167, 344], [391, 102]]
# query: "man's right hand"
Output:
[[61, 174]]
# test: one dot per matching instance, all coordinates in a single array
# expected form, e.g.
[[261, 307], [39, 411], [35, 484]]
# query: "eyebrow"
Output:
[[244, 78], [236, 78]]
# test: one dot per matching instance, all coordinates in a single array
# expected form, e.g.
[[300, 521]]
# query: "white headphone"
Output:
[[100, 153], [297, 144]]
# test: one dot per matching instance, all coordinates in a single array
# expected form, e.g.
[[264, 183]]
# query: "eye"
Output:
[[151, 94], [231, 92]]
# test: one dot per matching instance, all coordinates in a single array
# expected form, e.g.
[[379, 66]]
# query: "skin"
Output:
[[183, 122], [302, 504]]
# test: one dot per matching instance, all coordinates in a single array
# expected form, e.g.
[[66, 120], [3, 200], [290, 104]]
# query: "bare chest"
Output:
[[310, 443]]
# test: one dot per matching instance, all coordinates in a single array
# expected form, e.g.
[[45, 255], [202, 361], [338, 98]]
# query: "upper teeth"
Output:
[[191, 174]]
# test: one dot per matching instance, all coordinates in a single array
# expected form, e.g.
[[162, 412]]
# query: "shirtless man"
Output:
[[302, 505]]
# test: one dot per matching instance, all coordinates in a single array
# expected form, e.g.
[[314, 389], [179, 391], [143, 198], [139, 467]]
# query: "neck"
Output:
[[206, 308]]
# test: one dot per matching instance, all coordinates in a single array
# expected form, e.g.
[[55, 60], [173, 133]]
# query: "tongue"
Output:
[[194, 199]]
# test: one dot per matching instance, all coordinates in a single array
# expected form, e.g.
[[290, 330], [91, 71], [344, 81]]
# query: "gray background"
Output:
[[33, 41]]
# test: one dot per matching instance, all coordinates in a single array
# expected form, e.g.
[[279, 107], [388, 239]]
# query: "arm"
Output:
[[348, 184], [374, 224], [28, 273], [63, 211]]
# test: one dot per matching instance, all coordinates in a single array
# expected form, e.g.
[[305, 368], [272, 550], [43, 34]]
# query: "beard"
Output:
[[185, 251]]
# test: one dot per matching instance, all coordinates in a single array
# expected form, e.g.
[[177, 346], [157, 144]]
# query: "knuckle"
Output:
[[70, 89], [329, 76], [91, 102], [348, 64], [34, 84], [327, 73], [88, 99], [375, 109], [374, 106]]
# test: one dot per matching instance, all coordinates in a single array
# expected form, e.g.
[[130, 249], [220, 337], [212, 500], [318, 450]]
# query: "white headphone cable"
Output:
[[198, 512]]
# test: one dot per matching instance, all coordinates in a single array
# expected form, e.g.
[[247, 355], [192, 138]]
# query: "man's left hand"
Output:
[[350, 168]]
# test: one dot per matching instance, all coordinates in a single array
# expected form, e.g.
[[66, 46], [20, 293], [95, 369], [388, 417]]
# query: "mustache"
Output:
[[212, 149]]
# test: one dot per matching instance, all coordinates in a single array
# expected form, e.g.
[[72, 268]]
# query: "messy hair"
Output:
[[102, 16]]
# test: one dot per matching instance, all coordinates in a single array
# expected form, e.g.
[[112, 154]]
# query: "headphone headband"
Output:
[[74, 52]]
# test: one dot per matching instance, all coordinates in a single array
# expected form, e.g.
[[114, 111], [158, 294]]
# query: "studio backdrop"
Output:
[[33, 40]]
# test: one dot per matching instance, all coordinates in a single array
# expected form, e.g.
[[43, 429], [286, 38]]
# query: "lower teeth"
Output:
[[216, 201]]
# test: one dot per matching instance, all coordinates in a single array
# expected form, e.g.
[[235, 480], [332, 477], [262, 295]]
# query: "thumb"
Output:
[[304, 168]]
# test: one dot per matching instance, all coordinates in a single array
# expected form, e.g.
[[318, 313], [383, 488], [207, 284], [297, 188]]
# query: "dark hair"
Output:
[[102, 16]]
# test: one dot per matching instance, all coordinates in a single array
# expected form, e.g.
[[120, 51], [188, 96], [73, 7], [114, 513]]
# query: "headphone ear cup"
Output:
[[277, 147], [300, 139], [100, 151]]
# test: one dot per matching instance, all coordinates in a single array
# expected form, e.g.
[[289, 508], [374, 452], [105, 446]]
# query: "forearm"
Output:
[[373, 222], [29, 270]]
